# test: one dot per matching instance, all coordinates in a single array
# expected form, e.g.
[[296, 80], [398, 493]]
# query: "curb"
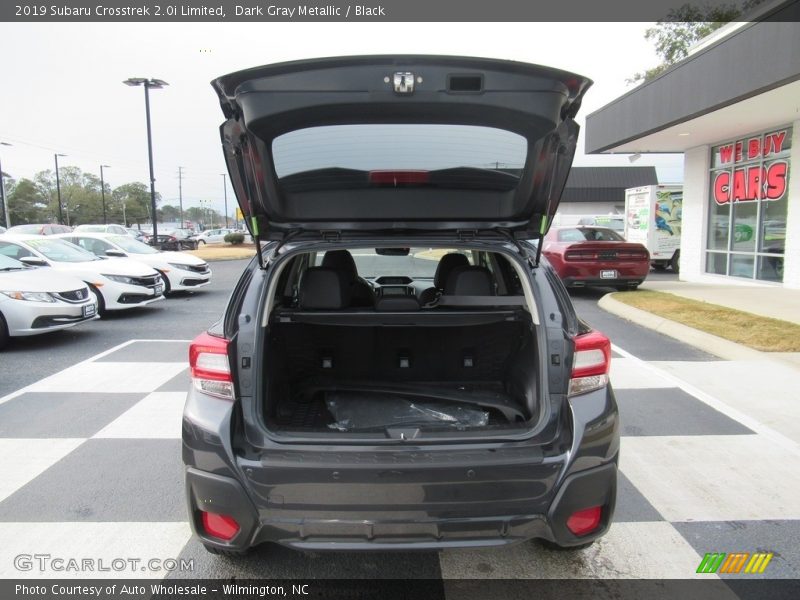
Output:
[[706, 342]]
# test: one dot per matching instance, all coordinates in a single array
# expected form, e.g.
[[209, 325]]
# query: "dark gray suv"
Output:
[[398, 368]]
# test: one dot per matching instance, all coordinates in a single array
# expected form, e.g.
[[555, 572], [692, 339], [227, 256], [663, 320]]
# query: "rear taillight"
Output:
[[590, 364], [633, 255], [581, 255], [211, 370]]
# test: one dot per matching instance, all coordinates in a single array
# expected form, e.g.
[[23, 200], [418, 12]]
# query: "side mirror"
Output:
[[33, 261], [116, 253]]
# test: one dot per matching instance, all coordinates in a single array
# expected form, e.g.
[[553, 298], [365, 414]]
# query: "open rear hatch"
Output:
[[400, 143]]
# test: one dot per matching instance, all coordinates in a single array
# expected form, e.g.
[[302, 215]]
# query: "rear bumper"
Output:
[[626, 273], [594, 281], [224, 495], [323, 498]]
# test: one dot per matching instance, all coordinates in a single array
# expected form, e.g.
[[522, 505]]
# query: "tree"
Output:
[[169, 214], [81, 200], [130, 203], [26, 203], [683, 27]]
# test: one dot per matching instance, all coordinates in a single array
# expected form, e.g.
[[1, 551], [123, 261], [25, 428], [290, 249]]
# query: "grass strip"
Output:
[[754, 331]]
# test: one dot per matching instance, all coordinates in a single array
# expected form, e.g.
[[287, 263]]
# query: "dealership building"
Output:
[[732, 107]]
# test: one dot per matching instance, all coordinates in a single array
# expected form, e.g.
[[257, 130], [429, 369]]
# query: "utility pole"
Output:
[[180, 193], [103, 191], [3, 200], [58, 191]]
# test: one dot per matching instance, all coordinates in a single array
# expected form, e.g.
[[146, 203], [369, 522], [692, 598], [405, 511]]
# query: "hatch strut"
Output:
[[543, 222], [254, 230]]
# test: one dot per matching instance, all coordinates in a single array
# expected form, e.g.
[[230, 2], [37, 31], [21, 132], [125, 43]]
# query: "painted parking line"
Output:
[[87, 361], [751, 423]]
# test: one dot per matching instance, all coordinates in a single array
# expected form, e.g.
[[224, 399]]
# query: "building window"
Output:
[[748, 198]]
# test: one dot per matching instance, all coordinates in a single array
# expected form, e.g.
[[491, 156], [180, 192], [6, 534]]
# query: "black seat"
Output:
[[361, 292], [469, 280], [446, 264], [322, 288]]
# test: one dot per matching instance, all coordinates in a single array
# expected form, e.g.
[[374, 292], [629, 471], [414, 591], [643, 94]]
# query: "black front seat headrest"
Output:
[[341, 260], [469, 281], [446, 264], [322, 288]]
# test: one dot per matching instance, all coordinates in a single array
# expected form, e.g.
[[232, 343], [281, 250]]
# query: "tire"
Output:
[[224, 551], [201, 242], [675, 263], [167, 286], [553, 546], [101, 303], [4, 337]]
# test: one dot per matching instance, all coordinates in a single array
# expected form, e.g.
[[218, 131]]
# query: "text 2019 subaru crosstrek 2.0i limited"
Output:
[[399, 368]]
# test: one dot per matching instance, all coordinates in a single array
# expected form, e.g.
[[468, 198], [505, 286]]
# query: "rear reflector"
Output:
[[585, 521], [220, 526], [211, 371], [590, 364]]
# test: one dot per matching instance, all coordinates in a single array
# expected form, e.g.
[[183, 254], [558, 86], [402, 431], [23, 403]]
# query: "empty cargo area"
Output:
[[444, 342], [367, 378]]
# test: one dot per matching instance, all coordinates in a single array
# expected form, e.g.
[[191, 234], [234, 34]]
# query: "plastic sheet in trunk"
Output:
[[360, 411]]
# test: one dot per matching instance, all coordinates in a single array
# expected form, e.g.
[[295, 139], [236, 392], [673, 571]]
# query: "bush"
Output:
[[234, 238]]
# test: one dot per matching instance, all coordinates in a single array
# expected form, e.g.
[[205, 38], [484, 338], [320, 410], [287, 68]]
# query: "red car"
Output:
[[584, 256]]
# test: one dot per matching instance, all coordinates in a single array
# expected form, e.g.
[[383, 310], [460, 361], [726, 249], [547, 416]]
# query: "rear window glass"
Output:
[[592, 234], [398, 147]]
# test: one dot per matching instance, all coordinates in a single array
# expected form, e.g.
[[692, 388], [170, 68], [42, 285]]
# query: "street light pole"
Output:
[[58, 191], [3, 192], [103, 191], [180, 194], [225, 189], [155, 84]]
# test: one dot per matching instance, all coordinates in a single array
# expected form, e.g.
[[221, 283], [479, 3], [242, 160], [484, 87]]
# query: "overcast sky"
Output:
[[62, 85]]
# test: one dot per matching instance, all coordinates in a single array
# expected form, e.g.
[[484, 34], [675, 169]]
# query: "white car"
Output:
[[116, 283], [211, 236], [34, 301], [100, 228], [180, 271]]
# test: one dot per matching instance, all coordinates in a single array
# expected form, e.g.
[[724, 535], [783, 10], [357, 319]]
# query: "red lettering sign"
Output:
[[752, 148], [722, 187], [751, 183]]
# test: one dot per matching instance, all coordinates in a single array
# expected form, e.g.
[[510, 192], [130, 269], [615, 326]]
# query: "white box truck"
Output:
[[653, 218]]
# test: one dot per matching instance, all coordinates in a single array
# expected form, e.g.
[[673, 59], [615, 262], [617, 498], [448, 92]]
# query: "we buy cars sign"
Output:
[[757, 170]]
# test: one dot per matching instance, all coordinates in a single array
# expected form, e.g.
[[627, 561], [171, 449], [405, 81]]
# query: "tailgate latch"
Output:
[[402, 433], [404, 83]]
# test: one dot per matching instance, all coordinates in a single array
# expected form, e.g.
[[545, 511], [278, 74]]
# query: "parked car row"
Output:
[[168, 238], [57, 281]]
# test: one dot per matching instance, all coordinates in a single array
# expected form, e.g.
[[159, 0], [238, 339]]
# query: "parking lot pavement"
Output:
[[92, 462]]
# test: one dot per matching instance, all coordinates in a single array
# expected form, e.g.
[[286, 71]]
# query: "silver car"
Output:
[[34, 301]]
